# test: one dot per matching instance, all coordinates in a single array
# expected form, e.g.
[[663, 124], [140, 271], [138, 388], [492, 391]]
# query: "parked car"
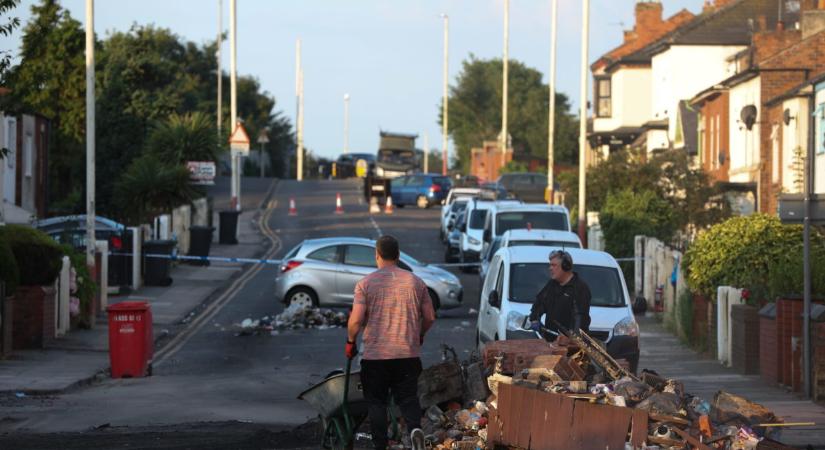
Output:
[[422, 190], [487, 256], [71, 230], [324, 272], [528, 187], [454, 237], [517, 274], [471, 241], [543, 238], [470, 181], [493, 191], [505, 216], [447, 220]]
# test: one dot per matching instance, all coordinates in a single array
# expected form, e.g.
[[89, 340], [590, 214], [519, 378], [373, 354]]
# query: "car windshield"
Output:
[[527, 279], [477, 218], [493, 249], [544, 243], [545, 220], [458, 206]]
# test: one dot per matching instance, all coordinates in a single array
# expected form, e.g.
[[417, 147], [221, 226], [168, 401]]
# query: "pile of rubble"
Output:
[[573, 388], [294, 317]]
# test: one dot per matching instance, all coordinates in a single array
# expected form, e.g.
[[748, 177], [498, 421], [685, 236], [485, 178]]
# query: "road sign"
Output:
[[239, 141], [201, 172], [792, 208]]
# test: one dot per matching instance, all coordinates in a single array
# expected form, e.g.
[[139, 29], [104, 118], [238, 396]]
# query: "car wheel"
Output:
[[422, 202], [305, 297], [434, 298]]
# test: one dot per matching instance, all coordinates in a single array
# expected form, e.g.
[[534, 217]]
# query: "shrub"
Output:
[[9, 273], [150, 187], [756, 252], [37, 255]]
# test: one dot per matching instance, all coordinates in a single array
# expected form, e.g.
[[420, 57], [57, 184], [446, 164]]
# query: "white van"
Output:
[[509, 216], [540, 238], [471, 244], [517, 274]]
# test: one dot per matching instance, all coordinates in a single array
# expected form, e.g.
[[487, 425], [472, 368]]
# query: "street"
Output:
[[218, 376]]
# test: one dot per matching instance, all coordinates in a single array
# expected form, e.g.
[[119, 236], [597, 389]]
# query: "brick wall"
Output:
[[745, 356], [33, 323], [718, 106], [768, 350], [818, 346], [713, 344]]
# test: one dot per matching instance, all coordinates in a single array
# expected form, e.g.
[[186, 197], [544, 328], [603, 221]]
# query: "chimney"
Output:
[[813, 20], [648, 15]]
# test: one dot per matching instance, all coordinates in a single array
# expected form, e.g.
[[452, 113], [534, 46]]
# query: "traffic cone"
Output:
[[293, 211], [388, 208], [338, 208], [374, 209]]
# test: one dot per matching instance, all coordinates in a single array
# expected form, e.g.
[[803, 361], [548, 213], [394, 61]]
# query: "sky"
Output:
[[386, 54]]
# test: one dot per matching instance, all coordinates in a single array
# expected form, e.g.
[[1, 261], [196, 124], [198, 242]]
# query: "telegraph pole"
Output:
[[583, 119], [219, 43], [551, 122], [233, 69], [346, 123], [445, 98], [426, 154], [505, 61], [299, 112], [90, 135]]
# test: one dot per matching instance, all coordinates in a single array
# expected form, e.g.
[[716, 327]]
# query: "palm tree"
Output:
[[150, 187], [184, 137]]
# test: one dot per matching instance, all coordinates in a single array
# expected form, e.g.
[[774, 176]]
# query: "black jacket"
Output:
[[567, 304]]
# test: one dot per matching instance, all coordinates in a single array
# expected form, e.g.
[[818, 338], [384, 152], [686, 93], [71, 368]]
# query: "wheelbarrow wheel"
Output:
[[333, 435]]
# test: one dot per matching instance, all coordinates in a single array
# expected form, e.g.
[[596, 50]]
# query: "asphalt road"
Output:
[[221, 376]]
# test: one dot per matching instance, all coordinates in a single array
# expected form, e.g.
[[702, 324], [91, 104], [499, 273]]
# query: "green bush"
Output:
[[37, 255], [626, 214], [756, 252], [9, 273]]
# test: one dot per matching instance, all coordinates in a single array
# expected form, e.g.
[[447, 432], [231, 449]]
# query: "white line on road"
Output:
[[375, 225]]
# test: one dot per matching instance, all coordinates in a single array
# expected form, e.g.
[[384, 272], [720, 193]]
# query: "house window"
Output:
[[28, 156], [603, 97]]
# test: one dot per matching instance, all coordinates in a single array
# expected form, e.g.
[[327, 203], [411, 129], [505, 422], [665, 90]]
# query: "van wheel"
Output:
[[422, 202]]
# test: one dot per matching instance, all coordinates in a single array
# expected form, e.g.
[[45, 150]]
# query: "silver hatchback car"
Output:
[[325, 271]]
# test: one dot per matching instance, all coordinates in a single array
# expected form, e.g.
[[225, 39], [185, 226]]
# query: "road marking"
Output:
[[204, 318], [375, 225]]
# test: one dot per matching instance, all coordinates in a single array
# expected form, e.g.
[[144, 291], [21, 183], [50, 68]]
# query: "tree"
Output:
[[184, 137], [475, 111], [7, 26], [50, 81], [151, 187]]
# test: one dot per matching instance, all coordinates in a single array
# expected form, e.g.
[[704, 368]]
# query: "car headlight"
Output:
[[473, 241], [626, 327], [379, 171], [515, 321], [447, 279]]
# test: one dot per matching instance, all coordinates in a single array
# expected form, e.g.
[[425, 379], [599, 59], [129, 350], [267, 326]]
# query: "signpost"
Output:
[[201, 172], [238, 146]]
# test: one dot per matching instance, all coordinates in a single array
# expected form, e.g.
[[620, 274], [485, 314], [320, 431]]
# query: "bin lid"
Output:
[[129, 306], [768, 311]]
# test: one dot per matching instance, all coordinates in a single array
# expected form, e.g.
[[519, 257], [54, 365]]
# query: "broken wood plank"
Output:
[[671, 419], [690, 439]]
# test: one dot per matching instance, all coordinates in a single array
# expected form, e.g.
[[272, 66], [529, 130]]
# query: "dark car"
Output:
[[346, 166], [71, 230], [422, 190], [528, 186]]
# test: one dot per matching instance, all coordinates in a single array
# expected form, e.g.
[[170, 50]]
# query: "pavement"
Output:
[[82, 356]]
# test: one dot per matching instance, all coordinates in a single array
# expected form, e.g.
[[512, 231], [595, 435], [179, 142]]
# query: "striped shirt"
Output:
[[396, 302]]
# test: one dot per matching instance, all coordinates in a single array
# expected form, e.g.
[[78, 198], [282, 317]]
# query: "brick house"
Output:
[[621, 86], [24, 170]]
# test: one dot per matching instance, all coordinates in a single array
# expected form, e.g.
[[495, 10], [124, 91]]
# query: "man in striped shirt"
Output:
[[394, 310]]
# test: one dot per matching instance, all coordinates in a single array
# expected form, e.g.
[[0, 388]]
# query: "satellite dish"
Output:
[[748, 116], [786, 116]]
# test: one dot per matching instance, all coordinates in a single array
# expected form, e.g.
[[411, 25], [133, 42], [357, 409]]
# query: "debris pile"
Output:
[[518, 387], [294, 317]]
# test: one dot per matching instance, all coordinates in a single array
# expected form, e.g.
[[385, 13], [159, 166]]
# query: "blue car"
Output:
[[422, 190]]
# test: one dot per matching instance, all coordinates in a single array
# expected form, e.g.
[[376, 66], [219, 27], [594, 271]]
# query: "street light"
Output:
[[505, 66], [346, 123], [551, 123], [444, 102], [583, 117]]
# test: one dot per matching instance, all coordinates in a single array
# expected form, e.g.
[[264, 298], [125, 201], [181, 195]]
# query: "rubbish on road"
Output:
[[732, 409], [294, 317], [440, 383], [473, 311]]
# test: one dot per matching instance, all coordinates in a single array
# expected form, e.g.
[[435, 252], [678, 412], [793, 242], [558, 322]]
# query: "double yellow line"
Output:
[[180, 339]]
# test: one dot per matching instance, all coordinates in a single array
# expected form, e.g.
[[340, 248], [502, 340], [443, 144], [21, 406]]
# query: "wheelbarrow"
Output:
[[340, 403], [339, 400]]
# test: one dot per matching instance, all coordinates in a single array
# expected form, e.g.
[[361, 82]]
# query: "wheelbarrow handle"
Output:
[[347, 420]]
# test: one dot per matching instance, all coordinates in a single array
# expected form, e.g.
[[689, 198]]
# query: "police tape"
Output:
[[175, 257]]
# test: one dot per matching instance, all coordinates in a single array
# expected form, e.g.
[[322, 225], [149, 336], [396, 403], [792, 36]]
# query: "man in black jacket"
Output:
[[564, 299]]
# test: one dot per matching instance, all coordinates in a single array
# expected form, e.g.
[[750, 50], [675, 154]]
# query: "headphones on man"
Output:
[[566, 259]]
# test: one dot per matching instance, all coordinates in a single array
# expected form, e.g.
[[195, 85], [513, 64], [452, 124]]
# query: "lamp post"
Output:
[[445, 117], [263, 139], [90, 135], [551, 122], [233, 90], [346, 123], [505, 66], [219, 44], [583, 118]]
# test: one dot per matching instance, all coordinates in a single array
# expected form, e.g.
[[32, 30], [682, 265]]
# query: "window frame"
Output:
[[338, 254], [346, 253], [601, 96]]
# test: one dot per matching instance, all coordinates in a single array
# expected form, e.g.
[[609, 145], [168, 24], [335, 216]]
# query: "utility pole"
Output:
[[219, 43], [263, 139], [299, 113], [426, 154], [551, 122], [90, 135], [346, 123], [505, 63], [445, 119], [583, 118], [233, 69]]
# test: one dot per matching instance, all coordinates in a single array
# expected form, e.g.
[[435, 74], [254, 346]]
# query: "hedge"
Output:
[[9, 272], [37, 255], [756, 252]]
